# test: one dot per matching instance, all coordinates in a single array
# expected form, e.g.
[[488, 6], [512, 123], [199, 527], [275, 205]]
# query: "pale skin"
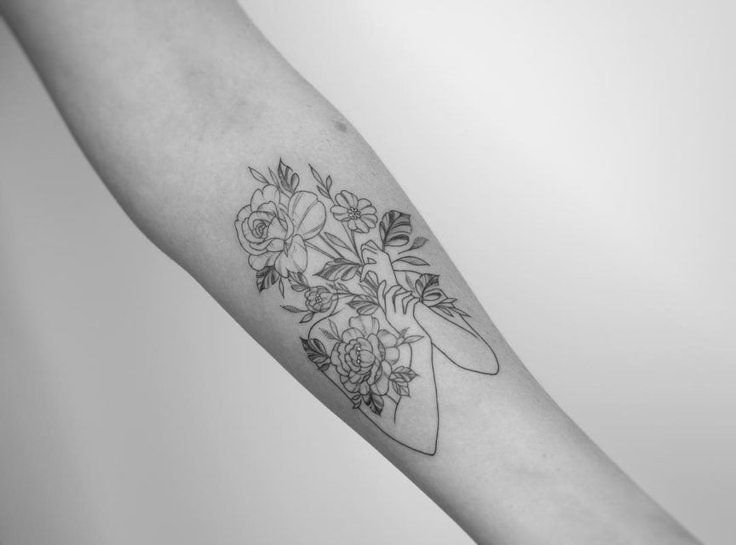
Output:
[[171, 102]]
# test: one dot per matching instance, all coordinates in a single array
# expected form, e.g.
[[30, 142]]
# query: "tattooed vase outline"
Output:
[[375, 320]]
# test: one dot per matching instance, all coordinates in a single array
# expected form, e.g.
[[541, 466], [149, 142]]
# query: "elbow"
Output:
[[422, 437], [430, 448], [425, 445], [491, 363], [484, 364]]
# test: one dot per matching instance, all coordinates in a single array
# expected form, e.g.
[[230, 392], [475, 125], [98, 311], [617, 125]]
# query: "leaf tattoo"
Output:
[[395, 228]]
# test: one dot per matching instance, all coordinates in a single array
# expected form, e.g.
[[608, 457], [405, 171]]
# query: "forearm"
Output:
[[173, 102]]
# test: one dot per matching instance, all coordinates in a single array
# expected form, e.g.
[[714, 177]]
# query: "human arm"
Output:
[[185, 192]]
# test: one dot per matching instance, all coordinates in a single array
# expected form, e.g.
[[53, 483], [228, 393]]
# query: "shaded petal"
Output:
[[336, 358], [308, 214], [270, 193], [366, 324], [259, 247], [387, 338], [351, 334], [256, 227], [349, 386], [404, 354], [392, 354], [340, 212], [293, 258], [277, 229], [376, 346], [275, 245], [260, 261], [381, 385], [269, 207], [241, 226], [298, 253], [342, 199], [367, 357], [350, 198], [359, 225], [243, 213], [370, 219]]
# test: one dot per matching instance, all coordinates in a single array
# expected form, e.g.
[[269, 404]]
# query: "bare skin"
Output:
[[173, 102]]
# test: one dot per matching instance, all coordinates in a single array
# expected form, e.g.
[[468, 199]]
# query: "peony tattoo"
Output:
[[376, 321]]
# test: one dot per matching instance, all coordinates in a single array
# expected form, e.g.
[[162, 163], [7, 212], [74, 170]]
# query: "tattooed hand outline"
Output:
[[378, 261], [398, 305]]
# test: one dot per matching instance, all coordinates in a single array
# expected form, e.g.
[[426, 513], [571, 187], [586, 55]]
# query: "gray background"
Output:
[[576, 159]]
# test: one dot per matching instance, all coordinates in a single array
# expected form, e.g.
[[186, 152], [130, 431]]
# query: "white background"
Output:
[[576, 158]]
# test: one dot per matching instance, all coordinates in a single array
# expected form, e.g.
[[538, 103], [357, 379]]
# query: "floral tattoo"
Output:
[[376, 320]]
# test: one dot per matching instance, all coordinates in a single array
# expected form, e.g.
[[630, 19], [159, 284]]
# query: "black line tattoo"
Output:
[[377, 321]]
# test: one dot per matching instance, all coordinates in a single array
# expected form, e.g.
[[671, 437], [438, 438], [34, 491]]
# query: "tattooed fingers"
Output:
[[377, 261], [398, 304], [407, 301]]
